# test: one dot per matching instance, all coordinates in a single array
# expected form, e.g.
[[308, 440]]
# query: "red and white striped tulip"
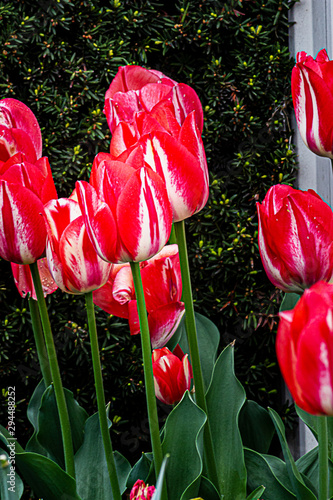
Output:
[[19, 131], [23, 279], [136, 89], [172, 374], [295, 238], [72, 260], [312, 92], [304, 347], [162, 286], [126, 210], [141, 491]]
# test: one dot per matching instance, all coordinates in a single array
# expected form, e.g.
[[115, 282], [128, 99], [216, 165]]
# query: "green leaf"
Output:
[[32, 414], [308, 464], [299, 488], [208, 341], [183, 442], [312, 422], [256, 493], [49, 430], [256, 427], [45, 477], [159, 483], [140, 470], [225, 398], [270, 472], [11, 486], [92, 477], [289, 301], [208, 490]]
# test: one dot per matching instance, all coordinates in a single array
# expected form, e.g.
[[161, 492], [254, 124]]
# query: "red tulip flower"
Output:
[[162, 286], [305, 349], [136, 89], [312, 92], [295, 238], [72, 260], [172, 374], [24, 188], [23, 279], [126, 210], [19, 131], [141, 491]]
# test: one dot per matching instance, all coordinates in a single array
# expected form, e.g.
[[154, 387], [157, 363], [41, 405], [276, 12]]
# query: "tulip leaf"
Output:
[[308, 464], [299, 488], [160, 479], [11, 485], [312, 422], [140, 470], [49, 430], [208, 490], [256, 427], [32, 414], [183, 442], [45, 477], [256, 493], [92, 477], [268, 471], [289, 301], [208, 342], [225, 398]]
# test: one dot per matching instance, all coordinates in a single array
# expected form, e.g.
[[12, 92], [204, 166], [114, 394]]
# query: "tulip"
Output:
[[141, 491], [24, 188], [126, 210], [136, 89], [23, 279], [72, 260], [162, 285], [295, 238], [172, 374], [304, 349], [312, 93], [19, 131]]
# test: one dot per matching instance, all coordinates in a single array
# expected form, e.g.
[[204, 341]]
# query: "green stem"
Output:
[[191, 331], [148, 368], [323, 458], [103, 420], [39, 341], [173, 237], [55, 373]]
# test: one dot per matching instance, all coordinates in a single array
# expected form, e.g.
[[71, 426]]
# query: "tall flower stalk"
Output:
[[323, 458], [39, 341], [55, 374], [101, 398], [192, 339]]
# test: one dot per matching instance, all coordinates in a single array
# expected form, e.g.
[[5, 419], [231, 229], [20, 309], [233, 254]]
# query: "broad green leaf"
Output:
[[289, 301], [208, 341], [160, 479], [268, 471], [32, 414], [183, 442], [208, 490], [256, 427], [92, 477], [256, 493], [140, 470], [49, 430], [299, 488], [308, 465], [225, 398], [312, 422], [11, 486], [45, 477]]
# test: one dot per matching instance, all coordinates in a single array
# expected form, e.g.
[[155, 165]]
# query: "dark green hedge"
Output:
[[59, 56]]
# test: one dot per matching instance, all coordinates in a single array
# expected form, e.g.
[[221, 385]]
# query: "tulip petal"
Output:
[[144, 215], [22, 227], [23, 279], [185, 100], [163, 322]]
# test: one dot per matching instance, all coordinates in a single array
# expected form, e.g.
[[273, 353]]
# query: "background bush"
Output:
[[59, 57]]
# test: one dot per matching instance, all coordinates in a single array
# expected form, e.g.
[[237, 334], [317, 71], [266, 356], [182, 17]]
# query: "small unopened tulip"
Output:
[[172, 374]]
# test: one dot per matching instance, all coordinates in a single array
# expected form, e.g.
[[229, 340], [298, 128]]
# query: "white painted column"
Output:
[[312, 30]]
